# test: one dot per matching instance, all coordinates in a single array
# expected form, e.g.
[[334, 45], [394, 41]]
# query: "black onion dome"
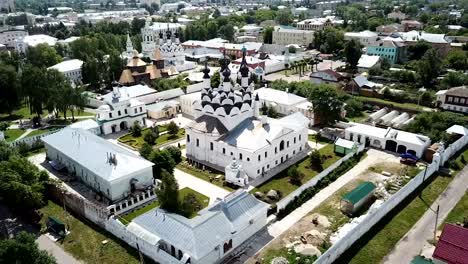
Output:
[[206, 71], [161, 35], [244, 69], [257, 98]]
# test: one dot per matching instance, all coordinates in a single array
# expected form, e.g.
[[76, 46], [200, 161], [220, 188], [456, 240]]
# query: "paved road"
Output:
[[201, 186], [413, 242], [60, 255]]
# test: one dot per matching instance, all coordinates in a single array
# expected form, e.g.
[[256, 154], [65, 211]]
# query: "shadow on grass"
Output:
[[12, 117], [348, 255]]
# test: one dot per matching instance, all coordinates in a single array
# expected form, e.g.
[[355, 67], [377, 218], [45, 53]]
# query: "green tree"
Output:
[[434, 124], [458, 60], [417, 51], [23, 249], [429, 67], [284, 17], [42, 55], [149, 137], [136, 129], [268, 35], [295, 176], [212, 29], [190, 205], [215, 79], [35, 88], [353, 107], [9, 92], [168, 192], [454, 79], [163, 161], [145, 150], [172, 129], [316, 160], [227, 32], [175, 153], [352, 52], [327, 104]]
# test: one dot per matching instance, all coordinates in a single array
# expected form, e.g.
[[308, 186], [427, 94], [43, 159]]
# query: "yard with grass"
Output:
[[459, 213], [137, 142], [85, 240], [382, 238], [24, 113], [409, 106], [41, 131], [13, 134], [206, 175], [317, 138], [127, 218], [281, 182]]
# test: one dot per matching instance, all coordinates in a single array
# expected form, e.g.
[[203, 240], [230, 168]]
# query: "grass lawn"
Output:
[[205, 175], [23, 112], [358, 119], [137, 142], [84, 240], [459, 212], [204, 201], [281, 181], [377, 243], [13, 134], [41, 131], [408, 106], [317, 138]]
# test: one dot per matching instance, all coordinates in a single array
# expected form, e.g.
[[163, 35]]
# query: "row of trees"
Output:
[[22, 183]]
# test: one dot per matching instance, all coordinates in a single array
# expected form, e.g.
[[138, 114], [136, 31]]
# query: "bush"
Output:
[[172, 128], [190, 205], [311, 191], [4, 126], [136, 129], [149, 137], [316, 160], [295, 176], [146, 150]]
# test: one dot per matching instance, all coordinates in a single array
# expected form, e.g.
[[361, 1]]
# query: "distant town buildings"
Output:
[[316, 24], [285, 36]]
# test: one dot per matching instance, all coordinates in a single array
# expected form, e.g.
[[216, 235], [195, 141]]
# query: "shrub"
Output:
[[172, 128], [136, 129], [149, 137], [295, 176], [316, 160], [190, 204], [4, 126]]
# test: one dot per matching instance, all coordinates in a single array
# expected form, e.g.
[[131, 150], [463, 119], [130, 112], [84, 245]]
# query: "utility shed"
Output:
[[343, 146], [357, 198]]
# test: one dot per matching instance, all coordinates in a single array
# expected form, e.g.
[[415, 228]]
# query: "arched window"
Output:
[[281, 145], [227, 246]]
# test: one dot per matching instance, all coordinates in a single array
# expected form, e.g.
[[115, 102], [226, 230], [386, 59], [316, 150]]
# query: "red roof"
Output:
[[452, 247]]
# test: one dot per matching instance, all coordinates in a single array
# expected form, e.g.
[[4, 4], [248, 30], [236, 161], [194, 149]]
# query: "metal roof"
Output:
[[453, 245], [358, 193], [211, 228], [92, 152]]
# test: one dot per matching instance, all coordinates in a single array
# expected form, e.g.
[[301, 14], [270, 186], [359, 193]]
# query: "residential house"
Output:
[[366, 62], [365, 38], [391, 49], [389, 29], [327, 76], [452, 247], [437, 41], [397, 15], [360, 85], [410, 25], [453, 99], [71, 69]]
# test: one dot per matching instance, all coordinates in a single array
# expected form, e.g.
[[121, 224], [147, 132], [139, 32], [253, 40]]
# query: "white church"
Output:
[[166, 40], [230, 135]]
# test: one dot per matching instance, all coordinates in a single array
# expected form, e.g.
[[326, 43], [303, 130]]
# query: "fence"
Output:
[[312, 182], [132, 202], [374, 217], [31, 141]]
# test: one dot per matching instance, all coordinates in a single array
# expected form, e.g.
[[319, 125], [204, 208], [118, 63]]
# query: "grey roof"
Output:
[[252, 135], [85, 124], [280, 97], [169, 94], [127, 92], [91, 151], [208, 124], [212, 227], [458, 91], [161, 105]]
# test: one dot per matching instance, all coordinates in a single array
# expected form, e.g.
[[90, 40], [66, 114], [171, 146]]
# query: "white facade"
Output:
[[454, 99], [187, 103], [228, 126], [120, 113], [71, 69], [152, 33], [316, 24], [10, 37], [105, 167], [286, 36], [389, 139], [286, 103], [366, 37], [21, 45]]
